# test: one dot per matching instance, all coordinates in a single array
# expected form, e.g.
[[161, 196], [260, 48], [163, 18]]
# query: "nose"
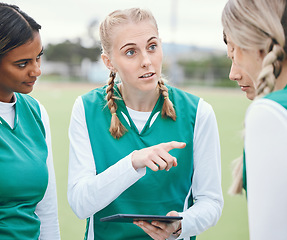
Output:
[[234, 73], [146, 61], [35, 69]]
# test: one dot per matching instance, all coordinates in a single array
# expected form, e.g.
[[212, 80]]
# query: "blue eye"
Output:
[[152, 47], [130, 52]]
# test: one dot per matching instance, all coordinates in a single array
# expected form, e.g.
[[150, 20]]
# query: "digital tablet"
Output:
[[129, 218]]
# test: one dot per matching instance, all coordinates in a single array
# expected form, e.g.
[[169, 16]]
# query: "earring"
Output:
[[112, 74]]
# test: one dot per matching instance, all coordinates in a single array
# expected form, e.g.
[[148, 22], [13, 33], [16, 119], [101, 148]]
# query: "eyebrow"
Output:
[[29, 59], [133, 44]]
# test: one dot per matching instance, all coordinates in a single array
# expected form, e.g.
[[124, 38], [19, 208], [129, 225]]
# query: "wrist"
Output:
[[133, 160]]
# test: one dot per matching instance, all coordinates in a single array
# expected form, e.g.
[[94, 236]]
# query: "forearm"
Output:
[[88, 194], [201, 216]]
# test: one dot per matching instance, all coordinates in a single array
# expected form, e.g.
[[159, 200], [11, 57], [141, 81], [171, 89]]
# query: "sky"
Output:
[[191, 22]]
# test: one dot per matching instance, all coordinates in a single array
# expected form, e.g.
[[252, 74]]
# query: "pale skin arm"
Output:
[[157, 158]]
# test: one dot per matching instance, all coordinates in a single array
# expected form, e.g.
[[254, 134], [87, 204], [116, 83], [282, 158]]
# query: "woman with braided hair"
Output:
[[246, 84], [257, 33], [138, 146]]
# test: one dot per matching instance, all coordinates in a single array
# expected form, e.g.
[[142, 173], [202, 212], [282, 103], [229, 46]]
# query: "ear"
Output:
[[107, 62]]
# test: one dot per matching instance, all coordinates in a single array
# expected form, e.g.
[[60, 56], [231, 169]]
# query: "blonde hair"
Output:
[[112, 21], [237, 175], [256, 24]]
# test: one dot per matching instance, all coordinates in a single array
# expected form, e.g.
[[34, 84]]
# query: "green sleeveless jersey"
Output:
[[23, 171], [280, 97], [155, 193]]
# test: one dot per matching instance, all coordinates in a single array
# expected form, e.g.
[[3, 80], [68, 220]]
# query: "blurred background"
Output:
[[195, 60], [190, 30]]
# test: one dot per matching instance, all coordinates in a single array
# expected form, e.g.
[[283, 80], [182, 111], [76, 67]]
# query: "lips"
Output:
[[30, 83], [244, 88], [147, 75]]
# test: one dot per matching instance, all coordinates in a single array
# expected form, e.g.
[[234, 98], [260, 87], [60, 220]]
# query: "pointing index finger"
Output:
[[173, 144]]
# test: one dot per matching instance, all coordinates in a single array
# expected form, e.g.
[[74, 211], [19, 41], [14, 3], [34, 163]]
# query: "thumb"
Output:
[[173, 213]]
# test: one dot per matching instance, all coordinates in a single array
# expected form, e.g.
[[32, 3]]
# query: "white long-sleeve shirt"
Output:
[[266, 169], [88, 193], [46, 209]]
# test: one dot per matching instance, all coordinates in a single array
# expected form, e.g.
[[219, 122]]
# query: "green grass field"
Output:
[[229, 106]]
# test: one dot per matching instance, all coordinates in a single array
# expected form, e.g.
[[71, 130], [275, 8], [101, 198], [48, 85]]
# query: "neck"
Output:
[[139, 100], [281, 81], [7, 98]]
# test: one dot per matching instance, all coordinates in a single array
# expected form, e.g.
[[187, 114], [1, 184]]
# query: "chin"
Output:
[[27, 90], [250, 96], [149, 86]]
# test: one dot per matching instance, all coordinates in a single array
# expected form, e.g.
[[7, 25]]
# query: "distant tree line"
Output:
[[213, 70], [71, 53]]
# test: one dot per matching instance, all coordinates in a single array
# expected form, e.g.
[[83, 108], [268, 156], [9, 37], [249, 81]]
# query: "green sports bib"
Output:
[[23, 171], [157, 192]]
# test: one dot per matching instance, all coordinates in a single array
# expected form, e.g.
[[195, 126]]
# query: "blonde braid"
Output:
[[167, 108], [117, 129], [237, 183], [271, 68]]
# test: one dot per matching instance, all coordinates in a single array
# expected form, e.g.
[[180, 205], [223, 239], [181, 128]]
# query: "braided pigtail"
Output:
[[271, 68], [167, 108], [117, 129], [237, 183]]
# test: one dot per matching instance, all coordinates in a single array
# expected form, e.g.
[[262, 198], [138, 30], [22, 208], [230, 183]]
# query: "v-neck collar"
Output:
[[124, 112]]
